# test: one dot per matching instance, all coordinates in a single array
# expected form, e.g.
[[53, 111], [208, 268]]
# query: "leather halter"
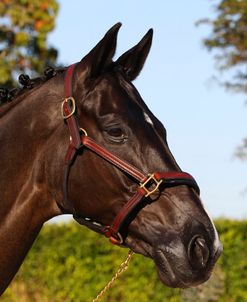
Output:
[[148, 184]]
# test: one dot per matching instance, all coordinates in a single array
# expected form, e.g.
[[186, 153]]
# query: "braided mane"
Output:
[[7, 96]]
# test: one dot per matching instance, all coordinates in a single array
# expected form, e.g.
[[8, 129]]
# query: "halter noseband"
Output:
[[148, 184]]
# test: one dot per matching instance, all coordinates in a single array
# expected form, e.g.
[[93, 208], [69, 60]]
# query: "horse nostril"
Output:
[[198, 252]]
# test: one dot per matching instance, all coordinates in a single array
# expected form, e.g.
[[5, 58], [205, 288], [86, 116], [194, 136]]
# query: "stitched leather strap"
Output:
[[124, 213], [113, 159], [68, 89], [69, 114], [168, 179], [172, 178]]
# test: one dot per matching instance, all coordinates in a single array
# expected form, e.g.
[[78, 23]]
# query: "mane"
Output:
[[10, 98]]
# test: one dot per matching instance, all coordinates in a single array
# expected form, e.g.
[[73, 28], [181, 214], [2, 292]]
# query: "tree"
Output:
[[229, 39], [24, 25]]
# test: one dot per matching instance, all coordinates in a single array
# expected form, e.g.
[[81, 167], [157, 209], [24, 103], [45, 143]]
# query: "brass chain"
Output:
[[123, 267]]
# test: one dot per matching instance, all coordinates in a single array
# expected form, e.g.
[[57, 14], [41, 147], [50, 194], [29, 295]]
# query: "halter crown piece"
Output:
[[148, 184]]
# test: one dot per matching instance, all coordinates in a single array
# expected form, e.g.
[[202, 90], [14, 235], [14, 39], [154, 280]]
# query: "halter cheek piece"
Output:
[[148, 184]]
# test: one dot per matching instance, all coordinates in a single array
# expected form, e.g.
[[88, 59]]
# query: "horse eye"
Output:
[[116, 134]]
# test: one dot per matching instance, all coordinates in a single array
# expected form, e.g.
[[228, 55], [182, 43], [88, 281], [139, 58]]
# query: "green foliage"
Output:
[[24, 25], [234, 262], [241, 151], [70, 263], [229, 38]]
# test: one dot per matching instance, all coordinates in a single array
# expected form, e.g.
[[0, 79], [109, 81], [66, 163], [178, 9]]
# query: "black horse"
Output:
[[104, 158]]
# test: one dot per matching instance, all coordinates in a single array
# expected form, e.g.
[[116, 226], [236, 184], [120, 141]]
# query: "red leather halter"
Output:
[[148, 184]]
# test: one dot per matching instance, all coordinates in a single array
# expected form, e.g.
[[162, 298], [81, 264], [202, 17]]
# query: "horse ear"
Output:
[[101, 55], [133, 60]]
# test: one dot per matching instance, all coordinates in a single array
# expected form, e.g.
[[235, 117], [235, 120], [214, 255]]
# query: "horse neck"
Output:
[[25, 199], [25, 134]]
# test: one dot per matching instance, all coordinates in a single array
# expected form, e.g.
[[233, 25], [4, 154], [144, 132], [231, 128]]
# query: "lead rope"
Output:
[[123, 267]]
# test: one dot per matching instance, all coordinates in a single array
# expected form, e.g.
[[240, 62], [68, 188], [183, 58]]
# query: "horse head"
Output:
[[170, 226]]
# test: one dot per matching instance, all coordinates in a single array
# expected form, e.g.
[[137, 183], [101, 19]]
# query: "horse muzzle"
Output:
[[184, 265]]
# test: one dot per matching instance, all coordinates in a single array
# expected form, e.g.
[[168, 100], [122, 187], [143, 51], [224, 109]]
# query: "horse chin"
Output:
[[166, 272], [172, 271]]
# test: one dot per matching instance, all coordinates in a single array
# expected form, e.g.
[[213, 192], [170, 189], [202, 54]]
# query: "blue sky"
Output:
[[204, 122]]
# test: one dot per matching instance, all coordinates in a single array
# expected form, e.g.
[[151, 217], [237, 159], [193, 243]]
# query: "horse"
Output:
[[81, 141]]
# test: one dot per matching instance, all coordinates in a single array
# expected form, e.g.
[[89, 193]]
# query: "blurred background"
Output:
[[194, 81]]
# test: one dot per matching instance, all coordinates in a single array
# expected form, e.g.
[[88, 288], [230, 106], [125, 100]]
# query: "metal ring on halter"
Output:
[[118, 239], [83, 131], [66, 100], [115, 238]]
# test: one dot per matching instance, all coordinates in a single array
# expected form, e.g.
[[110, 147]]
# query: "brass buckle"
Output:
[[72, 100], [155, 182]]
